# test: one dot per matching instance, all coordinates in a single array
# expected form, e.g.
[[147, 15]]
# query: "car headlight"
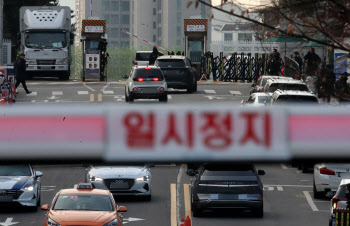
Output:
[[112, 223], [51, 222], [144, 178], [29, 188], [93, 178]]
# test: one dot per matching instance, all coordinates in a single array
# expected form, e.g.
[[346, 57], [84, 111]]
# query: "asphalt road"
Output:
[[287, 192]]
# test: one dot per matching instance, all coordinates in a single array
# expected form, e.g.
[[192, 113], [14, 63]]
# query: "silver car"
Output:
[[122, 180], [19, 185], [145, 82]]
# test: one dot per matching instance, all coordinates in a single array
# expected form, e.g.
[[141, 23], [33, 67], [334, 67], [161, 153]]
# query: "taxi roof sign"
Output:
[[85, 186]]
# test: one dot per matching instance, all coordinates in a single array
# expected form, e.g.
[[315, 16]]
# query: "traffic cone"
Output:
[[2, 70], [182, 222], [188, 221], [204, 77]]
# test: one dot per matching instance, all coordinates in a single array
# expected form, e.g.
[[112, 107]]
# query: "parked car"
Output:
[[83, 205], [327, 177], [260, 83], [122, 180], [227, 186], [293, 97], [145, 83], [20, 185], [284, 84], [257, 99], [178, 72], [339, 200]]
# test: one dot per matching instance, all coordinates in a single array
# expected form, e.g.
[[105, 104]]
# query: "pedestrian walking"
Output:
[[311, 82], [298, 59], [154, 55], [324, 90], [178, 53], [275, 63], [312, 61], [20, 72]]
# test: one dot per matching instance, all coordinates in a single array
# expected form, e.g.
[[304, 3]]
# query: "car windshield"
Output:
[[15, 170], [286, 86], [264, 80], [83, 202], [169, 63], [148, 73], [296, 99], [142, 56], [262, 99], [45, 40]]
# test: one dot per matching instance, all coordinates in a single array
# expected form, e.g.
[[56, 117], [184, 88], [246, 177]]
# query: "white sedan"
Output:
[[327, 177], [257, 99]]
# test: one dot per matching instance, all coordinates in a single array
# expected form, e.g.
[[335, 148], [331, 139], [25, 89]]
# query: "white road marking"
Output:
[[131, 219], [235, 93], [32, 94], [8, 222], [48, 186], [284, 166], [53, 98], [105, 87], [33, 101], [288, 185], [169, 97], [215, 97], [106, 92], [119, 97], [210, 91], [57, 93], [310, 201], [83, 92], [88, 87], [305, 180], [268, 188], [279, 188], [46, 101]]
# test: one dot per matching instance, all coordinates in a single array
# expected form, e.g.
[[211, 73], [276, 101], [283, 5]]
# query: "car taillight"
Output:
[[148, 68], [326, 171], [135, 90], [161, 89], [135, 63], [156, 79], [335, 201]]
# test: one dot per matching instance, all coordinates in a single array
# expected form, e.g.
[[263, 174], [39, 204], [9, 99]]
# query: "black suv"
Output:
[[227, 187]]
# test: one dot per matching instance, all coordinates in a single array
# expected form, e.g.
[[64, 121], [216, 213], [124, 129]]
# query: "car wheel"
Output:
[[317, 195], [164, 98], [148, 197], [38, 203], [259, 213], [304, 168], [195, 85], [190, 88], [300, 165], [131, 98], [195, 211], [126, 97]]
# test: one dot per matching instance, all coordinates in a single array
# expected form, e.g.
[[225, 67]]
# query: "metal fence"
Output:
[[242, 67]]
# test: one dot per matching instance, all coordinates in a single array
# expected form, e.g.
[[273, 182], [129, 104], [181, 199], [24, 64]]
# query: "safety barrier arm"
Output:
[[174, 133]]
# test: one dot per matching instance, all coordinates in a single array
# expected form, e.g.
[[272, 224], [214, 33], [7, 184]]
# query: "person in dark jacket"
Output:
[[298, 59], [20, 72], [275, 63], [312, 61], [154, 55]]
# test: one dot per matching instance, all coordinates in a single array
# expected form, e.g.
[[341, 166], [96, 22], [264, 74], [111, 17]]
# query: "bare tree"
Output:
[[323, 21]]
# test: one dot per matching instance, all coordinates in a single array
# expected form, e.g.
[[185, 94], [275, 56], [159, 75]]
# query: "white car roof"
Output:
[[286, 81], [294, 93], [262, 94], [277, 77], [344, 181]]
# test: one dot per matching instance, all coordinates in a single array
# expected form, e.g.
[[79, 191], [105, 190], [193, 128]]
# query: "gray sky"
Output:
[[70, 3]]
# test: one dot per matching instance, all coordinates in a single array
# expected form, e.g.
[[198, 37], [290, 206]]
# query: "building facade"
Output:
[[158, 21]]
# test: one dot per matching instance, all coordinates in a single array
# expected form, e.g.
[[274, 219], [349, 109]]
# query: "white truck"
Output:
[[46, 38]]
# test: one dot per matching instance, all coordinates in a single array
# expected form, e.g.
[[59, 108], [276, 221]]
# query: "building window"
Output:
[[107, 18], [179, 18], [203, 16], [115, 32], [245, 37], [154, 25], [178, 31], [202, 7], [154, 38], [159, 18], [125, 6], [106, 5], [178, 5], [228, 37], [115, 6], [159, 4], [178, 42], [124, 19], [159, 31], [115, 19], [154, 11]]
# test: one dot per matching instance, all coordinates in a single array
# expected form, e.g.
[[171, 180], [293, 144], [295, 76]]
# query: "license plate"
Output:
[[6, 198], [119, 185]]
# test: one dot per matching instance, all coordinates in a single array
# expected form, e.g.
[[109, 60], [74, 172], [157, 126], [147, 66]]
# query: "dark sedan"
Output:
[[227, 187]]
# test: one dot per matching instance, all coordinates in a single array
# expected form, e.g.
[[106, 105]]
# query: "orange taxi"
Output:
[[83, 205]]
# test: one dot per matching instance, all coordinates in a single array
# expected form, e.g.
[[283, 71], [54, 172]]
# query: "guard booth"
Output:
[[196, 33], [94, 47]]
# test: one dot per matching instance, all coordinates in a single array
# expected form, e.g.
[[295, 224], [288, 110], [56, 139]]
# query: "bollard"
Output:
[[187, 221], [182, 222]]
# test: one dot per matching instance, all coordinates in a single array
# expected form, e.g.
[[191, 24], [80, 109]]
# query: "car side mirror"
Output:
[[38, 174], [125, 76], [191, 172], [330, 194], [122, 209], [261, 172], [45, 207]]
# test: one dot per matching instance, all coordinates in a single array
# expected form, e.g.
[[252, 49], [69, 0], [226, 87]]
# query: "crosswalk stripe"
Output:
[[32, 94], [83, 92], [235, 93], [106, 92], [57, 93], [210, 91], [169, 97]]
